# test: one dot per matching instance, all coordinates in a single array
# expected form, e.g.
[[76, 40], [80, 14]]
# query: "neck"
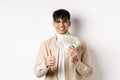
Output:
[[60, 35]]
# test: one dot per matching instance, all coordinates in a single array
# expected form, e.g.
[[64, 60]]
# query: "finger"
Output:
[[74, 51], [51, 59], [51, 63], [70, 53], [50, 53]]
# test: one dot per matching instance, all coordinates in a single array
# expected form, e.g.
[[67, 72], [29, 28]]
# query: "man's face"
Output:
[[61, 26]]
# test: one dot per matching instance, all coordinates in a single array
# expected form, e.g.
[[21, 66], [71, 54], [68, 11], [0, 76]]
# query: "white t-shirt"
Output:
[[61, 71]]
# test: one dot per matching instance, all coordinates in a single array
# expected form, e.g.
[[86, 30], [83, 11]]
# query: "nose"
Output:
[[61, 23]]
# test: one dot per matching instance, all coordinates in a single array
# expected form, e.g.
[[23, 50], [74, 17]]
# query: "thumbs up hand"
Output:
[[50, 61]]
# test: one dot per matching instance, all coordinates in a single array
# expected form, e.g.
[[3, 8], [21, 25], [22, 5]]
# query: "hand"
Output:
[[50, 59], [73, 53]]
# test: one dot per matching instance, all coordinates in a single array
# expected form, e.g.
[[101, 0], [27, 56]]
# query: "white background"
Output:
[[24, 24]]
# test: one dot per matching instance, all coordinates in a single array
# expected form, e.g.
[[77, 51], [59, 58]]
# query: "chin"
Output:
[[62, 32]]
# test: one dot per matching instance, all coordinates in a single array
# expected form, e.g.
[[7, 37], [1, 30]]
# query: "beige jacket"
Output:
[[72, 72]]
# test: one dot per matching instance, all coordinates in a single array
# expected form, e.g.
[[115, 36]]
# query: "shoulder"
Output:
[[81, 40], [48, 41]]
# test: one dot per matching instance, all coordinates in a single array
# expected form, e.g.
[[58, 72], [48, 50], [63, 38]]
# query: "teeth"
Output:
[[61, 28]]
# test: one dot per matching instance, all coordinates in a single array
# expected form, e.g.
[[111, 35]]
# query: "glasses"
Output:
[[62, 21]]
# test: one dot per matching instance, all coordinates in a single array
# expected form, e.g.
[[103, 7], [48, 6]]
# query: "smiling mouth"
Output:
[[62, 29]]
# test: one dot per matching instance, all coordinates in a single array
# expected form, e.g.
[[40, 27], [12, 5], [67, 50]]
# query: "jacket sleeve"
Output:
[[40, 68], [84, 65]]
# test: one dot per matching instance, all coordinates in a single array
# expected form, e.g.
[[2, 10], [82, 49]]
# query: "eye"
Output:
[[65, 21], [57, 21]]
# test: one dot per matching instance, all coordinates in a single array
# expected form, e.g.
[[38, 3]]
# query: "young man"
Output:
[[57, 63]]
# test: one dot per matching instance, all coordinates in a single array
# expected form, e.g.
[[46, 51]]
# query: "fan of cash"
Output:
[[69, 41]]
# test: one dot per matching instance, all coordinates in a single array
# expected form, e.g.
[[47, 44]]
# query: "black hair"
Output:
[[61, 13]]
